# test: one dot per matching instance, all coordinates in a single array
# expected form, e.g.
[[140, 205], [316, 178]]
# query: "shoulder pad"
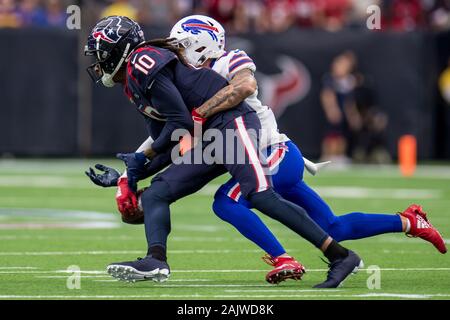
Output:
[[239, 60], [144, 64]]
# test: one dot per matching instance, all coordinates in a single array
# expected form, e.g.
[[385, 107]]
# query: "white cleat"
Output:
[[130, 274]]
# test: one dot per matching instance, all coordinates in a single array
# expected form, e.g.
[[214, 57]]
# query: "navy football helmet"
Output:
[[111, 42]]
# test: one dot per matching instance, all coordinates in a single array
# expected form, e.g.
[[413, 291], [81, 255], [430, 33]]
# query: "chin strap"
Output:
[[107, 79]]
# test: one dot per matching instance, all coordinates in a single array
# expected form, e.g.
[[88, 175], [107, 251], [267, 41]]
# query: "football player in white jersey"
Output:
[[203, 40]]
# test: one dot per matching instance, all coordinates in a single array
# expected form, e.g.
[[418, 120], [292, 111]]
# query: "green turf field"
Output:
[[52, 217]]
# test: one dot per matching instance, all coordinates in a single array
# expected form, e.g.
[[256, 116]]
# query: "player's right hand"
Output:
[[108, 178], [127, 202], [197, 118], [137, 164]]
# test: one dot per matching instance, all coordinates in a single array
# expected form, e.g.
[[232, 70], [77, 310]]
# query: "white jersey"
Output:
[[227, 66]]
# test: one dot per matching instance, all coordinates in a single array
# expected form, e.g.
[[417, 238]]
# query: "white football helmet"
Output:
[[202, 38]]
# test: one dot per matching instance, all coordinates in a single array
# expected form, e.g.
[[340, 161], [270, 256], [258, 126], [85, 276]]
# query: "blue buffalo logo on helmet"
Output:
[[196, 26]]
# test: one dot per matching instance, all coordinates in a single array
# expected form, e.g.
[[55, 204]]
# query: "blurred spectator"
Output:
[[9, 14], [121, 8], [404, 15], [444, 83], [279, 15], [339, 105], [369, 141], [32, 14], [250, 16], [55, 13], [334, 14], [307, 13], [437, 14], [240, 16], [185, 8], [224, 11]]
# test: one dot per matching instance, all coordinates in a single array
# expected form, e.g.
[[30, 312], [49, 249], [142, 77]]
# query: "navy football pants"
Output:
[[241, 159]]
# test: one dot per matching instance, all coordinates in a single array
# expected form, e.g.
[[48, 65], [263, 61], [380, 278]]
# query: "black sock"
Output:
[[335, 251], [158, 252]]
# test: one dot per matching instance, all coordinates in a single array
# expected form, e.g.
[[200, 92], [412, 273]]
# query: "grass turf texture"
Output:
[[209, 259]]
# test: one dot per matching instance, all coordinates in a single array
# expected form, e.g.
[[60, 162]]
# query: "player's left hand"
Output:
[[136, 167], [108, 178]]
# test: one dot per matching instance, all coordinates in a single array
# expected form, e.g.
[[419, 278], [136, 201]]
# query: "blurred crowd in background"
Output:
[[356, 125], [240, 16]]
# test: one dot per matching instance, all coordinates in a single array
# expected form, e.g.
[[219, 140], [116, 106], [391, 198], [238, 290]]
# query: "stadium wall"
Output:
[[40, 94]]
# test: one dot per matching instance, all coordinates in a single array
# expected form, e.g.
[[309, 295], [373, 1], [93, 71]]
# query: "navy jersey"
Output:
[[144, 65], [165, 91]]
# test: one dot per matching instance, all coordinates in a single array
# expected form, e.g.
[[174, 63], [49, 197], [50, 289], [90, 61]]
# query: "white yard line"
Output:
[[119, 252], [308, 270], [18, 268], [357, 192], [337, 192], [106, 276], [277, 290], [400, 238], [138, 252], [69, 253], [44, 181], [211, 285], [59, 225], [118, 238], [101, 272], [360, 192], [65, 277], [51, 272], [199, 296], [77, 166]]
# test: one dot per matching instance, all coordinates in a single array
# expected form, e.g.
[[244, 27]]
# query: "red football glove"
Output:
[[197, 118], [126, 200]]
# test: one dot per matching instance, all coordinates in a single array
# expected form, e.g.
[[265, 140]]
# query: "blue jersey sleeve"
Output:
[[168, 101]]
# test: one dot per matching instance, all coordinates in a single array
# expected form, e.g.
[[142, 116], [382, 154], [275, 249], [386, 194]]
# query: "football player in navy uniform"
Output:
[[167, 90]]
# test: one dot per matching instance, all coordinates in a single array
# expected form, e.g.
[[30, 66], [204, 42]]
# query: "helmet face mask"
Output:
[[95, 71], [201, 37], [111, 42]]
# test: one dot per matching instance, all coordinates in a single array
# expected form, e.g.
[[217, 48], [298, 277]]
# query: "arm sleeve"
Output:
[[146, 144], [166, 98], [239, 60]]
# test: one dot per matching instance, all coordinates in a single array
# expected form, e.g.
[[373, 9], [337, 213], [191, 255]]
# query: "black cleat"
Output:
[[340, 269], [145, 269]]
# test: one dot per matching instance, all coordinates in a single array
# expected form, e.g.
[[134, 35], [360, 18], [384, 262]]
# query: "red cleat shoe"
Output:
[[285, 268], [422, 228]]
